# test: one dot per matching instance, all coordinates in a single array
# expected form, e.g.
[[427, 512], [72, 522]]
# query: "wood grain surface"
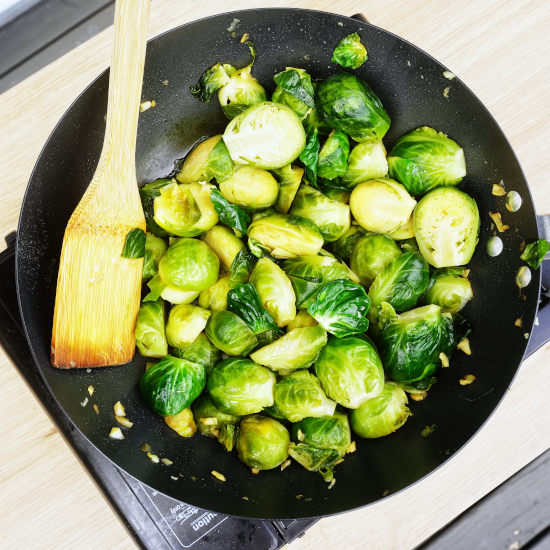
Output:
[[501, 49]]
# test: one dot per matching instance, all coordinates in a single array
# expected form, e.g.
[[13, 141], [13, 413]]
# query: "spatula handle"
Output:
[[125, 80]]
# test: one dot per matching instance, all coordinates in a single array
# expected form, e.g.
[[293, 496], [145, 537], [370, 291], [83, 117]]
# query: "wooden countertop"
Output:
[[501, 50]]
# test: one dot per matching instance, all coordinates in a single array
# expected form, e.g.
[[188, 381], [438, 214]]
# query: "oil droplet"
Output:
[[523, 276], [494, 246], [513, 201]]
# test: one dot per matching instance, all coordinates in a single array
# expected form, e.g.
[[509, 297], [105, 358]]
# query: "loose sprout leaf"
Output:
[[148, 193], [134, 246], [201, 351], [535, 252], [350, 53], [310, 156], [341, 307], [156, 286], [230, 214], [219, 164], [289, 178], [333, 157], [297, 83], [211, 81], [241, 267], [155, 247]]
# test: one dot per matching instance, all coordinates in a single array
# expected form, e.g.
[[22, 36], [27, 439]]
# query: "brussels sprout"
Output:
[[350, 371], [189, 264], [228, 332], [330, 216], [240, 386], [185, 323], [381, 205], [224, 243], [213, 422], [334, 193], [185, 210], [241, 267], [148, 193], [275, 291], [289, 178], [402, 282], [333, 157], [411, 343], [244, 301], [347, 103], [319, 444], [297, 349], [367, 161], [299, 395], [450, 291], [424, 158], [155, 247], [403, 232], [381, 415], [172, 385], [267, 135], [209, 159], [230, 214], [242, 91], [310, 155], [212, 80], [446, 226], [150, 334], [263, 442], [350, 53], [286, 236], [295, 90], [201, 351], [308, 273], [275, 413], [371, 254], [343, 246], [534, 253], [341, 307], [303, 319], [176, 296], [182, 423], [215, 297], [250, 187]]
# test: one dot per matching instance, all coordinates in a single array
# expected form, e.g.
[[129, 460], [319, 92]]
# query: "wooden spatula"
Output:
[[98, 291]]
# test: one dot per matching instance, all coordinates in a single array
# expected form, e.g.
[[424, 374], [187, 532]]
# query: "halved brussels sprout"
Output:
[[334, 193], [177, 296], [295, 90], [289, 178], [224, 243], [350, 53], [148, 193], [343, 246], [403, 232], [425, 158], [185, 323], [308, 273], [228, 332], [333, 156], [347, 103], [371, 254], [446, 227], [381, 415], [341, 307], [330, 216], [189, 264], [450, 290], [275, 291], [209, 159], [201, 351], [240, 386], [250, 187], [244, 301], [303, 319], [367, 161], [185, 210], [350, 371], [150, 333], [411, 343], [182, 423], [215, 297], [299, 395], [319, 444], [267, 135], [263, 442], [297, 349], [402, 282], [213, 422], [155, 247], [242, 91], [286, 236], [381, 205], [172, 384], [212, 80]]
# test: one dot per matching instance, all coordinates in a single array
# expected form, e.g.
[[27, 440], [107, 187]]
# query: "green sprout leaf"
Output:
[[310, 156], [134, 246], [230, 214], [350, 53], [535, 252], [297, 83]]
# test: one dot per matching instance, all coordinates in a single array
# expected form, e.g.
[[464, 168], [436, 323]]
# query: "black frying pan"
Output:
[[410, 84]]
